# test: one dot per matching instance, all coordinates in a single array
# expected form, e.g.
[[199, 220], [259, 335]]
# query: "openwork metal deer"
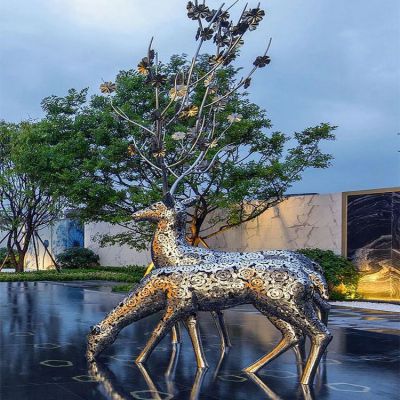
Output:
[[170, 248], [284, 286], [278, 289]]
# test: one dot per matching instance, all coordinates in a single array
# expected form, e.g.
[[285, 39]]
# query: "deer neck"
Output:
[[167, 243], [143, 301]]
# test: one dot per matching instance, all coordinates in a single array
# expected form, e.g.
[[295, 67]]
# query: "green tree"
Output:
[[185, 127], [26, 206]]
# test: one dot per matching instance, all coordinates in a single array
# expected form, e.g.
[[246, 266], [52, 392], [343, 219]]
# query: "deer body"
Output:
[[170, 248], [273, 287]]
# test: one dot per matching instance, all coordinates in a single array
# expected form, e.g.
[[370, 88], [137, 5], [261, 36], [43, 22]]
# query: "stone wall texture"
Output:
[[298, 222]]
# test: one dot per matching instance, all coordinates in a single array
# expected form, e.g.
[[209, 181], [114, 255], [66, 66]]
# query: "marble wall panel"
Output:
[[369, 222], [68, 233], [372, 242], [396, 228]]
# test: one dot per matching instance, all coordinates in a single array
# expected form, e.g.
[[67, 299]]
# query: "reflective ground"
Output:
[[42, 342]]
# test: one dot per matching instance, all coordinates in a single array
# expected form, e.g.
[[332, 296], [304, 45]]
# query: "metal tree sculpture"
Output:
[[191, 97]]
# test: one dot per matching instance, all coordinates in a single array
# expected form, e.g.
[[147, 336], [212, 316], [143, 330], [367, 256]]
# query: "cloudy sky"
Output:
[[336, 62]]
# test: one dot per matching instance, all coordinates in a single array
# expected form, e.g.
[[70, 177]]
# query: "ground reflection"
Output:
[[43, 330], [99, 372]]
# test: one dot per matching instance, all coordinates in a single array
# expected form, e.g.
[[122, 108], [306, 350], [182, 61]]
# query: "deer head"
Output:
[[98, 339], [167, 209]]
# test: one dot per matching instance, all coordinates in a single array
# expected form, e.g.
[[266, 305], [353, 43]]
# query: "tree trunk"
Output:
[[195, 239], [11, 256], [17, 262], [20, 262]]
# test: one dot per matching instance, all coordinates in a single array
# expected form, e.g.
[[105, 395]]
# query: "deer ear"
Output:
[[168, 200], [191, 201]]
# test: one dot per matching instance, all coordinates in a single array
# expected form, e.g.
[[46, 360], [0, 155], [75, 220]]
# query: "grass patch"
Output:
[[130, 274], [122, 288]]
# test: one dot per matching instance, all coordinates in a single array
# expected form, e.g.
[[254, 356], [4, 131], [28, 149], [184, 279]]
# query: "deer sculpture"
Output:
[[170, 248], [227, 279], [278, 289]]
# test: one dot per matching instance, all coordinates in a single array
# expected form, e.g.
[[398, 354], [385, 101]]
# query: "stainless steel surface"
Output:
[[277, 287]]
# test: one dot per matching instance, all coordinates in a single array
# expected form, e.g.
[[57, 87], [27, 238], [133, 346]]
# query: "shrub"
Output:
[[77, 257], [341, 275]]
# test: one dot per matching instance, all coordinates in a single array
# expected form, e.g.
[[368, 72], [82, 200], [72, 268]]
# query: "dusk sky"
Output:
[[336, 62]]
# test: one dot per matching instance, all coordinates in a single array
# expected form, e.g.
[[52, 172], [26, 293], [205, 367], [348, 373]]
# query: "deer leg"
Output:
[[198, 381], [300, 349], [170, 372], [319, 342], [320, 338], [323, 308], [193, 330], [281, 347], [290, 337], [176, 334], [300, 353], [220, 361], [222, 331], [263, 386], [173, 361], [159, 332], [325, 313]]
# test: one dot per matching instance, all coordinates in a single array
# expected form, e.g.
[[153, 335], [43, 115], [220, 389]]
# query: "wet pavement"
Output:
[[43, 329]]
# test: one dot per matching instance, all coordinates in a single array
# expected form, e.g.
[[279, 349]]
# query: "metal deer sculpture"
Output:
[[283, 286], [278, 289], [170, 248]]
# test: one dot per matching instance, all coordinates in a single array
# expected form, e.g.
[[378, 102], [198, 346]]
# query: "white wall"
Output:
[[57, 235], [298, 222], [113, 255], [44, 260]]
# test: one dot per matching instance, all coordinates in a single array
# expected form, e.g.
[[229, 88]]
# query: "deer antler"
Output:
[[192, 168], [227, 36]]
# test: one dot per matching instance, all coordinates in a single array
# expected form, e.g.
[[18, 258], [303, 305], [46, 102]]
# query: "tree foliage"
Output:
[[186, 127], [26, 206]]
